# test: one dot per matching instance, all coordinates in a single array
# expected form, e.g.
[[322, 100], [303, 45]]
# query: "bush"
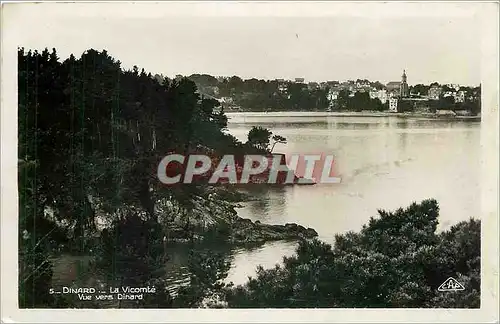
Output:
[[207, 273], [397, 260]]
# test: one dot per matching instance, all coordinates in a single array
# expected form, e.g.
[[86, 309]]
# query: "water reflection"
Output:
[[403, 137], [269, 204]]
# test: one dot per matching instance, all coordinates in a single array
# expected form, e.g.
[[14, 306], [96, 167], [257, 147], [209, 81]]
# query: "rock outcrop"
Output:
[[245, 231], [215, 219]]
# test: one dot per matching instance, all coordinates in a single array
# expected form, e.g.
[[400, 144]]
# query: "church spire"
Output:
[[403, 90]]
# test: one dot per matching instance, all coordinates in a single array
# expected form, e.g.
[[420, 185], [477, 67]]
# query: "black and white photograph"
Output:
[[250, 156]]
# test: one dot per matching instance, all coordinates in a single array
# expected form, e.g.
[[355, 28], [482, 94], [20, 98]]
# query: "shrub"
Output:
[[396, 260]]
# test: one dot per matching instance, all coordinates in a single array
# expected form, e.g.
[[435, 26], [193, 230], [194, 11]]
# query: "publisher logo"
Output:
[[451, 284]]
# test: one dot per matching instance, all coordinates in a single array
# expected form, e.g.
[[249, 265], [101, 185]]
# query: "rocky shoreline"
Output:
[[245, 231], [213, 219]]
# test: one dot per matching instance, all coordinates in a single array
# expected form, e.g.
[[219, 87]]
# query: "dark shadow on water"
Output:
[[266, 198]]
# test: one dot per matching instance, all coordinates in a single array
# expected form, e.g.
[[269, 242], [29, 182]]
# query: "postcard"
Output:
[[250, 161]]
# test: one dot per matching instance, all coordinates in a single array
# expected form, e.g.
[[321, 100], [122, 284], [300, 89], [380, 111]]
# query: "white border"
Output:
[[15, 23]]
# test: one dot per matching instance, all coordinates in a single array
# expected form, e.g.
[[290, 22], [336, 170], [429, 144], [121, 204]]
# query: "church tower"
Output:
[[403, 89]]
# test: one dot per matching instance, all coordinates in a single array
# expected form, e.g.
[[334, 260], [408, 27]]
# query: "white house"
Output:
[[459, 96], [333, 95], [434, 92], [382, 96], [393, 105]]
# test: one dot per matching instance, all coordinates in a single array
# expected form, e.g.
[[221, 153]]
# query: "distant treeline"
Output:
[[262, 95], [360, 101], [273, 95]]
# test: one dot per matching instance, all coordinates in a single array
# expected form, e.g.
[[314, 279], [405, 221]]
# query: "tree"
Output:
[[259, 137], [91, 136], [203, 79], [278, 139], [377, 105], [235, 83], [446, 88], [419, 89], [396, 260], [445, 103], [298, 99], [207, 273], [343, 99], [378, 85]]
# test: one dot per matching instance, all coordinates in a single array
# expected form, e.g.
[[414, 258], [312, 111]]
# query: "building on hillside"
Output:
[[379, 94], [399, 88], [435, 92], [393, 87], [362, 84], [333, 95], [393, 105], [459, 96], [382, 96], [299, 80]]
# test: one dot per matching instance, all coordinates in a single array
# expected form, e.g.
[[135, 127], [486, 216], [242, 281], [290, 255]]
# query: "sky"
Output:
[[338, 43]]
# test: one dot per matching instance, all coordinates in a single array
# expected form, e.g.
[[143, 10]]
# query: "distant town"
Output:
[[236, 94]]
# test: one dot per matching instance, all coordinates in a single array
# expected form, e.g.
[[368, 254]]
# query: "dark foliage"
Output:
[[207, 273], [91, 136], [396, 260]]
